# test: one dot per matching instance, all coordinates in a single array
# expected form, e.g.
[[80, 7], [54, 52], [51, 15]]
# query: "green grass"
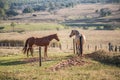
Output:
[[15, 68], [32, 26]]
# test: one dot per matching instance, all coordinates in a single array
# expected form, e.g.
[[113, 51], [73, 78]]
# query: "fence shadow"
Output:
[[12, 63], [18, 62]]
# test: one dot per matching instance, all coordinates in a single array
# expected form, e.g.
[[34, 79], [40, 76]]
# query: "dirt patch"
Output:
[[29, 60], [74, 61]]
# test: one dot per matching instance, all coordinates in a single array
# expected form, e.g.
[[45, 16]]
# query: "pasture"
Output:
[[94, 65], [14, 65]]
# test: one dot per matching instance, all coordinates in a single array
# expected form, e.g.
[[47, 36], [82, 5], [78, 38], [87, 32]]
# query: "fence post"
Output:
[[95, 48], [115, 48], [40, 59], [88, 46], [119, 48], [73, 46], [100, 46]]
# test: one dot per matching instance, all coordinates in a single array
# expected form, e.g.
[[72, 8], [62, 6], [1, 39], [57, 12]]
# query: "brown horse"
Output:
[[44, 41], [78, 41]]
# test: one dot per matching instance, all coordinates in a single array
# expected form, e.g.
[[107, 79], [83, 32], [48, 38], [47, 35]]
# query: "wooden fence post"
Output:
[[119, 48], [88, 46], [40, 59], [73, 46], [95, 47], [115, 48]]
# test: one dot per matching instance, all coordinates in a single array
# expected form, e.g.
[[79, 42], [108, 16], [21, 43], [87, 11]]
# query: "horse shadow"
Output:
[[12, 63]]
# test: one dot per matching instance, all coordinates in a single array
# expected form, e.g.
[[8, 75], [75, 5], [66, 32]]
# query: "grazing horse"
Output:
[[44, 41], [78, 41]]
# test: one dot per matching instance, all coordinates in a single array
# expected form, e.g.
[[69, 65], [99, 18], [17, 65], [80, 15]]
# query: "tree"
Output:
[[3, 8], [105, 12], [13, 26], [28, 10], [11, 12]]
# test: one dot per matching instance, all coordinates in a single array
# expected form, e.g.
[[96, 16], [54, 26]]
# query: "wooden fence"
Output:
[[87, 47]]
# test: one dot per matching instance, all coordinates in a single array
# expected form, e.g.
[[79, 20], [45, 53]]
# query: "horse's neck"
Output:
[[50, 38], [78, 35]]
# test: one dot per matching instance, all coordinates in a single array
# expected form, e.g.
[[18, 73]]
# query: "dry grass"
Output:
[[94, 37], [77, 12], [13, 67]]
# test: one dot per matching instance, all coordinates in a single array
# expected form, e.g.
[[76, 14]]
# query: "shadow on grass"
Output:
[[105, 57], [18, 62], [24, 61], [12, 63]]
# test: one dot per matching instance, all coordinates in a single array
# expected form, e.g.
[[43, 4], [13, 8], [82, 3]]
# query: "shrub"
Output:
[[11, 12], [1, 27], [28, 10], [105, 12]]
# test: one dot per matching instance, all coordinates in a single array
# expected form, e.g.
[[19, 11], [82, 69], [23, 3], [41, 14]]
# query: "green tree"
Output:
[[13, 26], [28, 10], [11, 12], [3, 8]]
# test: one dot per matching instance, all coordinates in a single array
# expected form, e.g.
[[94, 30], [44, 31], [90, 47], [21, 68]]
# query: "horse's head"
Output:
[[56, 37], [73, 32]]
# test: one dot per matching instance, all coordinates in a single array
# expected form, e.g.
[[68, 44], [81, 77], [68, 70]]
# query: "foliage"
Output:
[[12, 25], [1, 27], [105, 12], [28, 10], [11, 12], [3, 7], [109, 27]]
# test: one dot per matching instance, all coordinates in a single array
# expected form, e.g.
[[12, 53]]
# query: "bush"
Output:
[[1, 27], [86, 27], [105, 12], [28, 10], [11, 13], [109, 27]]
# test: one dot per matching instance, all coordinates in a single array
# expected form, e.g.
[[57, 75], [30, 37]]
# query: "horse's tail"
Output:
[[25, 47]]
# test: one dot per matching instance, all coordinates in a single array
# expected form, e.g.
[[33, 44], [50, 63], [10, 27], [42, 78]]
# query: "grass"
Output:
[[15, 68], [33, 26]]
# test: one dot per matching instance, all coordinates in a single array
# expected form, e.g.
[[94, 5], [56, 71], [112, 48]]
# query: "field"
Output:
[[61, 64], [13, 63]]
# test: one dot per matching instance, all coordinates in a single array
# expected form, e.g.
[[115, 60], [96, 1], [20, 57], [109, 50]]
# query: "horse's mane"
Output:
[[48, 35]]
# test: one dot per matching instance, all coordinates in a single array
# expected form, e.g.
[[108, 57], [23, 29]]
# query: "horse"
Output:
[[79, 41], [44, 41]]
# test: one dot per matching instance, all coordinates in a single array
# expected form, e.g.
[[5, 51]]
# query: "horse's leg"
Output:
[[31, 50], [45, 52], [28, 52]]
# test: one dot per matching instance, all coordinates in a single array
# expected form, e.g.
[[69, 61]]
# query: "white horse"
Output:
[[79, 41]]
